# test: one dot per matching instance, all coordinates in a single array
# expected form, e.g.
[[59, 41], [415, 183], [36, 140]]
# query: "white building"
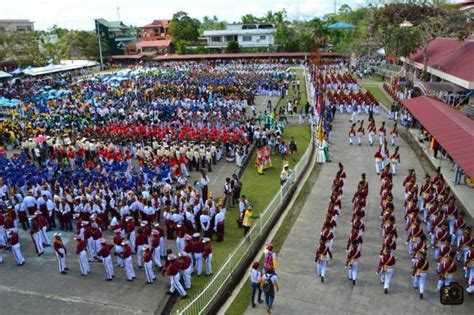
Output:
[[247, 35]]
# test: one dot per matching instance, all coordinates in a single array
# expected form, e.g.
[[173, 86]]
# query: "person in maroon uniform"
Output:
[[14, 241], [172, 271], [446, 271], [61, 252], [104, 253], [385, 268], [352, 261], [82, 256]]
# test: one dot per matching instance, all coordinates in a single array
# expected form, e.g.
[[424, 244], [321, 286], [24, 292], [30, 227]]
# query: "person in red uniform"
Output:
[[104, 253], [82, 256], [323, 254], [140, 242], [198, 249], [186, 266], [14, 241], [172, 271], [61, 252], [148, 264], [446, 270], [385, 268], [352, 261], [36, 236], [207, 255], [155, 249]]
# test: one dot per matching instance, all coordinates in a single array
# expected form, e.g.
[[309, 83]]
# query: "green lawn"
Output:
[[242, 300], [379, 94], [304, 98], [259, 189]]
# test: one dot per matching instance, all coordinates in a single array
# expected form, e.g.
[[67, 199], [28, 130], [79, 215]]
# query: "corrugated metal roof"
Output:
[[453, 130]]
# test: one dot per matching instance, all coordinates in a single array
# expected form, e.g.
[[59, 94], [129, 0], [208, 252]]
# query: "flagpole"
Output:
[[100, 46]]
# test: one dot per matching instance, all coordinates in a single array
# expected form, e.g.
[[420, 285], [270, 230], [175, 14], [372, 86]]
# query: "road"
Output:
[[301, 289]]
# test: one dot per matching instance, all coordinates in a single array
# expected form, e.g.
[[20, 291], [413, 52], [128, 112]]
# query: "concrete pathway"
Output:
[[301, 290]]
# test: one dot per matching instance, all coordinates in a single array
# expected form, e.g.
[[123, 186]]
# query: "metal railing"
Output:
[[206, 299]]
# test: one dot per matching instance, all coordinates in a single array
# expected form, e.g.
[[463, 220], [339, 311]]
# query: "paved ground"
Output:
[[37, 287], [301, 290]]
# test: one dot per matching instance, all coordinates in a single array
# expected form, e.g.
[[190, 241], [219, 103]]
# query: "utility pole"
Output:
[[335, 6], [100, 46], [118, 13]]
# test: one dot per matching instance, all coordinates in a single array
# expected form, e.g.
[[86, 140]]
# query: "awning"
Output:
[[4, 75], [453, 130]]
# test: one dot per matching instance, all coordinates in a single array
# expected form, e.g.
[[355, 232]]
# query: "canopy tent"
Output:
[[65, 65], [4, 75], [453, 130], [341, 25], [17, 71]]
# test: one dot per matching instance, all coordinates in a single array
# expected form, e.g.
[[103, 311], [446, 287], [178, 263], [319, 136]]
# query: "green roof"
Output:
[[112, 24]]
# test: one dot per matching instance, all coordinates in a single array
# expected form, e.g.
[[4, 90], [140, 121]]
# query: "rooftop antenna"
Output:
[[118, 13]]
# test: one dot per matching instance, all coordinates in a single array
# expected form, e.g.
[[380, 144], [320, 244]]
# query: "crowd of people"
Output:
[[112, 154]]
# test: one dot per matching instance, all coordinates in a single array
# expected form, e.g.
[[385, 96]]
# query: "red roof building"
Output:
[[452, 129], [449, 59], [154, 40]]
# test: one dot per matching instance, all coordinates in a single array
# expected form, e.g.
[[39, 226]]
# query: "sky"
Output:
[[79, 14]]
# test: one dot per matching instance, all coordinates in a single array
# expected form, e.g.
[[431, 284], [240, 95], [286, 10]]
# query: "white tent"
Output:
[[4, 75], [64, 65]]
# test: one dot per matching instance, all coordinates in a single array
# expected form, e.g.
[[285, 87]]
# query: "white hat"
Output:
[[57, 234]]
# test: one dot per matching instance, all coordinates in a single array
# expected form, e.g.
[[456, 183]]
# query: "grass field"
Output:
[[242, 300], [379, 94], [259, 190]]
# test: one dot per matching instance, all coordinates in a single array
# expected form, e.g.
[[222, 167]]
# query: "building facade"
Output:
[[16, 26], [154, 39], [247, 35], [118, 35]]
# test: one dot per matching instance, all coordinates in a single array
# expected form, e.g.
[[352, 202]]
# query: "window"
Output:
[[2, 29], [231, 38], [263, 37], [21, 28], [247, 38], [215, 38]]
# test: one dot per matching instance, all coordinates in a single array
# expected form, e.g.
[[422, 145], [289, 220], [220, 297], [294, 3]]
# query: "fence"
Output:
[[207, 300]]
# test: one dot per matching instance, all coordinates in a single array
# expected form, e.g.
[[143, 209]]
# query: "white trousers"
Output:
[[321, 267], [109, 267], [61, 260], [156, 257], [132, 241], [38, 242], [16, 250], [140, 251], [44, 236], [446, 281], [180, 244], [176, 285], [150, 275], [209, 265], [386, 278], [83, 262], [420, 282], [187, 276], [198, 262], [162, 247], [119, 250], [91, 248], [352, 270], [129, 268], [3, 236]]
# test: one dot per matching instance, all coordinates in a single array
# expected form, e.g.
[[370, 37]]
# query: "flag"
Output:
[[320, 130]]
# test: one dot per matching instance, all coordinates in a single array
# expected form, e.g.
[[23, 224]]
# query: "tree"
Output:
[[250, 19], [181, 46], [209, 24], [233, 47], [184, 28], [428, 22]]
